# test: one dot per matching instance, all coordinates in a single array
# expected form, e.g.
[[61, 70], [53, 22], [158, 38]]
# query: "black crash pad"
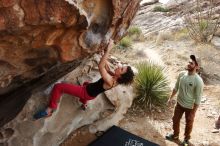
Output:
[[116, 136]]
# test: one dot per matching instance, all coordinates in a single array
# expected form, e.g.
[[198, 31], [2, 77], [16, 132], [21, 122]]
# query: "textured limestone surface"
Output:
[[42, 40], [103, 112]]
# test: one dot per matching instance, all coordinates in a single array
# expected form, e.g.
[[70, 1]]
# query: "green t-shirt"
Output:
[[189, 88]]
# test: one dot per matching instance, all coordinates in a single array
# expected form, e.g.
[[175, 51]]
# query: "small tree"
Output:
[[201, 20], [151, 85]]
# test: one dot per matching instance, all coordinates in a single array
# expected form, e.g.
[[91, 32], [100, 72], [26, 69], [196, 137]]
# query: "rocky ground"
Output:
[[156, 125]]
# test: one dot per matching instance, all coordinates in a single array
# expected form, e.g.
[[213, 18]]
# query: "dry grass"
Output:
[[125, 55], [181, 35], [163, 36]]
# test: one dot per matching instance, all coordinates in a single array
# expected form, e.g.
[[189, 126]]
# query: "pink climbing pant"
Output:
[[66, 88]]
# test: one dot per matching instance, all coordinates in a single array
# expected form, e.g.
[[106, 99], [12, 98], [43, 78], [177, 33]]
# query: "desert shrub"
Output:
[[201, 21], [160, 9], [151, 86], [182, 34], [135, 34], [125, 42], [203, 25], [134, 31]]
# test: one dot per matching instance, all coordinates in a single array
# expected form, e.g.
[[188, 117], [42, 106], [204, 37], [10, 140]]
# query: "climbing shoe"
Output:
[[41, 114], [84, 107]]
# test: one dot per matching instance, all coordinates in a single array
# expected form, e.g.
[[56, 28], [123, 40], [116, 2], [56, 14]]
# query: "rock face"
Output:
[[152, 19], [152, 22], [41, 40], [102, 112]]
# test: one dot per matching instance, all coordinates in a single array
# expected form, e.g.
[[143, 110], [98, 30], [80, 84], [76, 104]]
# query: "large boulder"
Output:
[[102, 112], [173, 3], [42, 40]]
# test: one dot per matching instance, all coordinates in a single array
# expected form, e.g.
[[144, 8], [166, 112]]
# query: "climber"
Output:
[[88, 91], [189, 87]]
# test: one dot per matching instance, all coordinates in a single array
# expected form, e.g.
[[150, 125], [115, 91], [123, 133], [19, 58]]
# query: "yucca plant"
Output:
[[151, 85]]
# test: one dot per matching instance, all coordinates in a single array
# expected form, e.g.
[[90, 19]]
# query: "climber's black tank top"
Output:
[[93, 89]]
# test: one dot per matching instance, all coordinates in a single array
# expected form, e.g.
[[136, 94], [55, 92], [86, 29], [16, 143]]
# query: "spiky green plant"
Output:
[[151, 85]]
